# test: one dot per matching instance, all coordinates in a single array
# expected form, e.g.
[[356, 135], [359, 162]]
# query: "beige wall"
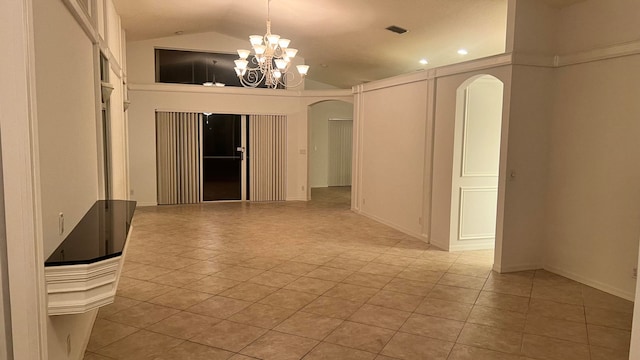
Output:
[[635, 331], [595, 24], [535, 27], [146, 100], [69, 141], [391, 167], [594, 197], [67, 137], [5, 309], [319, 115], [525, 170]]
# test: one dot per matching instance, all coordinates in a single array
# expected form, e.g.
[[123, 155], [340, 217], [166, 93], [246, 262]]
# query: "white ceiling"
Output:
[[344, 41]]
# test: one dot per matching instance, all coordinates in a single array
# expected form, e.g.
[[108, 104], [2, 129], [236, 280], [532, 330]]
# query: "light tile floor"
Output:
[[316, 281]]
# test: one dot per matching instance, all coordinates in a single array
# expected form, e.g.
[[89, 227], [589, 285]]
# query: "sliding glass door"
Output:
[[223, 150]]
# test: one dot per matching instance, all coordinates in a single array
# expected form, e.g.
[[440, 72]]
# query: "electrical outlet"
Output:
[[420, 220], [302, 187], [68, 344], [362, 201], [635, 273], [60, 223]]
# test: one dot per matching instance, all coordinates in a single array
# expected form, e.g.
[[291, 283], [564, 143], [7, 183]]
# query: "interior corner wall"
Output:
[[525, 172], [66, 106], [117, 136], [393, 127], [319, 115], [594, 197], [534, 26]]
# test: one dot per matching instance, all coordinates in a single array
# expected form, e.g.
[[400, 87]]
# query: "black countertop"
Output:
[[101, 234]]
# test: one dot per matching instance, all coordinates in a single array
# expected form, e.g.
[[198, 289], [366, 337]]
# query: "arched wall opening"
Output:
[[476, 163], [330, 143]]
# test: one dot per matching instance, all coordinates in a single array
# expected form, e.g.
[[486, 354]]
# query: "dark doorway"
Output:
[[222, 157]]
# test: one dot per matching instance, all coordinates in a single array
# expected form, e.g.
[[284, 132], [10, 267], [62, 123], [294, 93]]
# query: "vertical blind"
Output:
[[178, 157], [340, 149], [267, 138]]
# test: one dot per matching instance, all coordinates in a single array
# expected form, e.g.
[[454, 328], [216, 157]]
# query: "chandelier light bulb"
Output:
[[241, 64], [273, 39], [284, 43], [244, 54], [303, 69], [259, 49], [240, 72], [281, 64], [291, 52], [277, 74], [255, 40]]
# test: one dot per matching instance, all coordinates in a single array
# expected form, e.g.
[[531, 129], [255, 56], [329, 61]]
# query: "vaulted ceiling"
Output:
[[344, 41]]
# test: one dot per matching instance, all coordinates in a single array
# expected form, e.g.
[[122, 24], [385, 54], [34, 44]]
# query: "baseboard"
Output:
[[296, 199], [516, 267], [484, 245], [442, 245], [395, 226], [143, 204], [593, 283]]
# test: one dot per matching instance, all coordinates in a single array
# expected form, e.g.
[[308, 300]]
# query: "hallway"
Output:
[[314, 280]]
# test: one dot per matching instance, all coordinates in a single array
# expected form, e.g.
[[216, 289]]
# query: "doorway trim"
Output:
[[467, 184], [20, 177]]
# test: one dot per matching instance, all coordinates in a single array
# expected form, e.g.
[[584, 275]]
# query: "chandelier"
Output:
[[271, 61]]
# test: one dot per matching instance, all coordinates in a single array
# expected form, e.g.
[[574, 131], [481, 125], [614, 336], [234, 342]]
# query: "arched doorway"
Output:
[[476, 163]]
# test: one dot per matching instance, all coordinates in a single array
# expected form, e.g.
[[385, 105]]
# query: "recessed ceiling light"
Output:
[[424, 61], [463, 52]]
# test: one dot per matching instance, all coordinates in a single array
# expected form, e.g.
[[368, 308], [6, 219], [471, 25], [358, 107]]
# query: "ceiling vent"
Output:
[[396, 29]]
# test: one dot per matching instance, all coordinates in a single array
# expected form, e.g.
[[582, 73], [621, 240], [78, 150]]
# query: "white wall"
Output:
[[66, 119], [525, 169], [69, 145], [392, 156], [5, 310], [595, 24], [145, 100], [577, 135], [77, 327], [319, 115], [594, 197], [635, 331]]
